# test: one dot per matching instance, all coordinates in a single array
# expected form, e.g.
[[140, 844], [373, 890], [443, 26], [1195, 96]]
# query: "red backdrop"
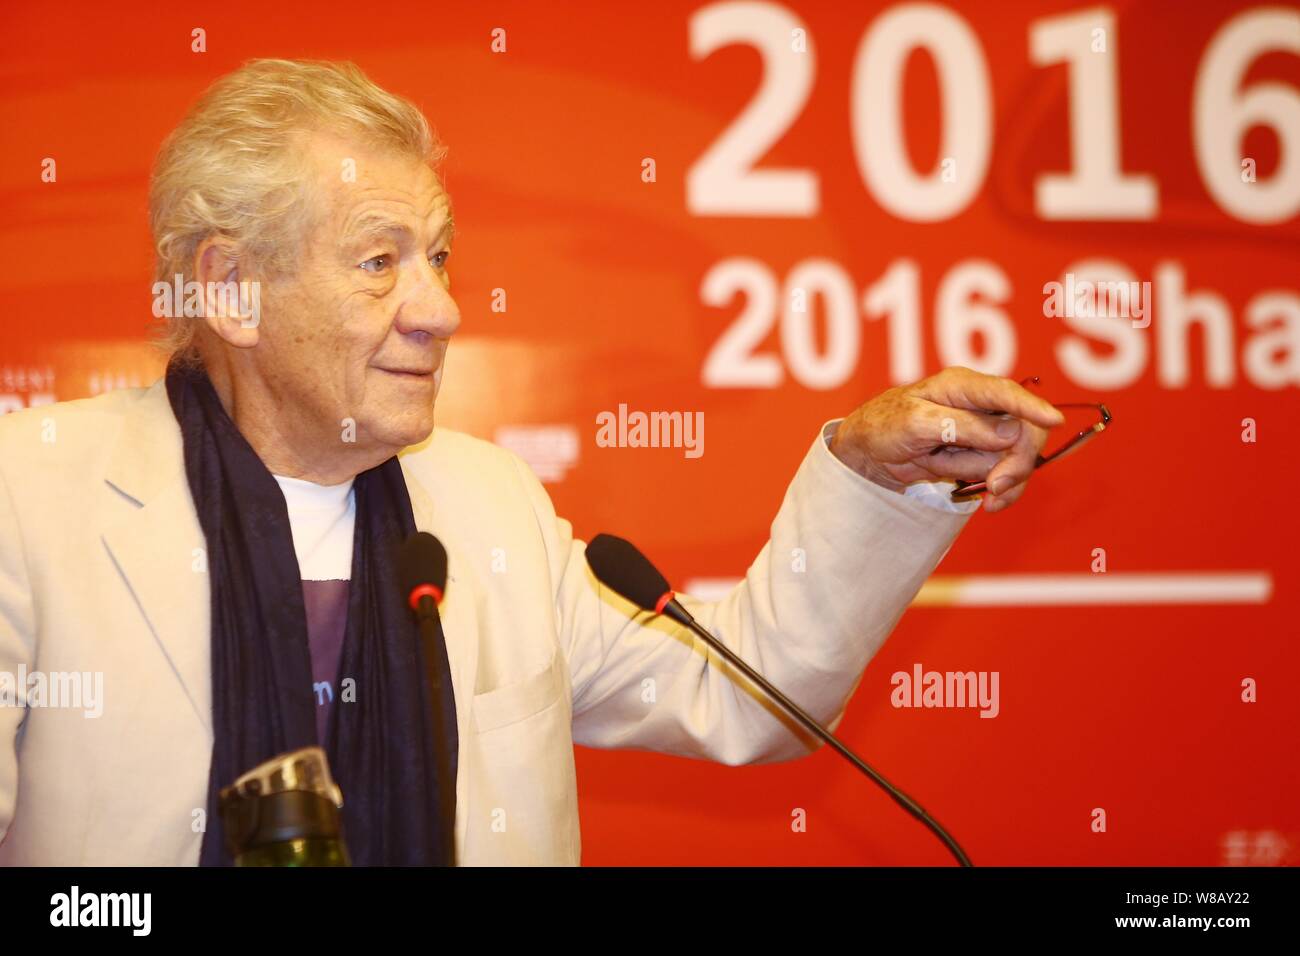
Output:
[[920, 236]]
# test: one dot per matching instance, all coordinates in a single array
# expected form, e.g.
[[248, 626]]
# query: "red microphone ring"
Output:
[[663, 601], [425, 590]]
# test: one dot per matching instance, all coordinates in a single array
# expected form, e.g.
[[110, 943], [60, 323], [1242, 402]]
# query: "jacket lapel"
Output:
[[460, 631], [158, 546], [457, 611]]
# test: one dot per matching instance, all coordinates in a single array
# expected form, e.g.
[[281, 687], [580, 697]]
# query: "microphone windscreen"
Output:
[[422, 560], [619, 566]]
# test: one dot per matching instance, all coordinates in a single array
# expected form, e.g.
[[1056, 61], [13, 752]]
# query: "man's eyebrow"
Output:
[[371, 226]]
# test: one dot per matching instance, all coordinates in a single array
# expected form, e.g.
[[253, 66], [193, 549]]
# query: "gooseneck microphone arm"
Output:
[[621, 567], [422, 564], [679, 614], [427, 615]]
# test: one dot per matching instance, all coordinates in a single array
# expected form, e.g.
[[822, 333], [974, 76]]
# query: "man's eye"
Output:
[[375, 265], [440, 259]]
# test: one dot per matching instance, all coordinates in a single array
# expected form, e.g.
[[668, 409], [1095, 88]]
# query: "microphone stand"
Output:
[[426, 614]]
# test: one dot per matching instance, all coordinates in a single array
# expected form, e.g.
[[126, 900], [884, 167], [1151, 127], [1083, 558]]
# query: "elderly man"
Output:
[[219, 547]]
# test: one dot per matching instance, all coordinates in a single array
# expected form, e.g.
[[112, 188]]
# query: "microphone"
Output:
[[422, 571], [622, 568]]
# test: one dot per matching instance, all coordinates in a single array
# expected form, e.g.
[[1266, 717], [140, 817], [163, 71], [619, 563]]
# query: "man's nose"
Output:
[[429, 307]]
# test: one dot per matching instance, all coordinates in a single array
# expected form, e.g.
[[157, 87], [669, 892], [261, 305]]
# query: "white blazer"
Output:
[[101, 573]]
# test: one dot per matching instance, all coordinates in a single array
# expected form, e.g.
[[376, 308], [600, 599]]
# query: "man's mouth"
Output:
[[409, 372]]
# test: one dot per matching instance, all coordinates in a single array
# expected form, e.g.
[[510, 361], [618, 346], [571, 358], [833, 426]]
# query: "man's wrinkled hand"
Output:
[[986, 428]]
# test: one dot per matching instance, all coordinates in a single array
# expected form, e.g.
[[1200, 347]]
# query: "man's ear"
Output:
[[231, 301]]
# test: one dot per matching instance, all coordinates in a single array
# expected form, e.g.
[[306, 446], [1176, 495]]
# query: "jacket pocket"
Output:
[[520, 700]]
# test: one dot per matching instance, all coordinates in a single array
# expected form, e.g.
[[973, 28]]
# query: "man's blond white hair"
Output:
[[234, 167]]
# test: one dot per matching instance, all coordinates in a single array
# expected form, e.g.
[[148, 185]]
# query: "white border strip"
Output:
[[1067, 590]]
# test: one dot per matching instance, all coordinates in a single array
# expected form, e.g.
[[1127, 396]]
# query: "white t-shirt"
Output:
[[322, 518]]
